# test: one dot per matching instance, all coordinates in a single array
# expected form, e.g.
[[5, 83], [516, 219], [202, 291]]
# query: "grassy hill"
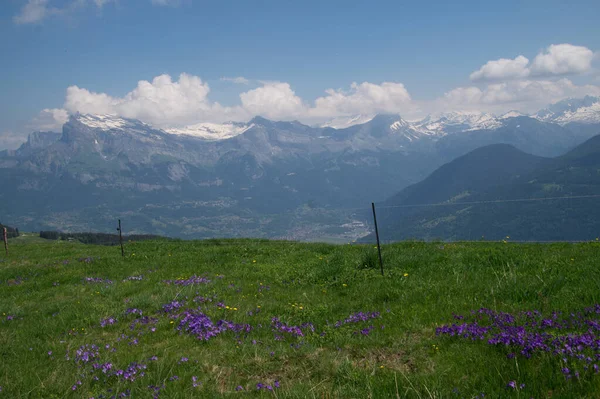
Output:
[[473, 187], [179, 319]]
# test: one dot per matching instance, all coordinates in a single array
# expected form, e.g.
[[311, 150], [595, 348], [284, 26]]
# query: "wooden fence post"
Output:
[[5, 237], [121, 239], [377, 235]]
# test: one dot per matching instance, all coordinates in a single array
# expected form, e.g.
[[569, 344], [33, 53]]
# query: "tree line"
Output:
[[97, 238], [11, 232]]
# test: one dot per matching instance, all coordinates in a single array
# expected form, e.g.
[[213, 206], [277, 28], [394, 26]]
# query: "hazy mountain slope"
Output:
[[525, 133], [512, 175], [476, 171]]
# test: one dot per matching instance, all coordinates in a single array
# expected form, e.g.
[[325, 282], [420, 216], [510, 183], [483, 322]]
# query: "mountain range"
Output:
[[261, 178]]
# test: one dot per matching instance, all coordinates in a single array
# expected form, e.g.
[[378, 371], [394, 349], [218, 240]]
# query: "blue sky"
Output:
[[290, 53]]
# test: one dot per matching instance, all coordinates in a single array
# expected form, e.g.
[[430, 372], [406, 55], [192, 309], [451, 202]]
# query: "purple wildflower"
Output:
[[172, 306], [133, 311], [196, 323], [189, 281], [107, 322], [358, 317], [574, 337], [295, 331], [96, 280]]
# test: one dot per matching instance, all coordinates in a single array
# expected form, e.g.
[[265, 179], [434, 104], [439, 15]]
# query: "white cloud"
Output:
[[523, 95], [273, 100], [166, 2], [557, 59], [238, 80], [101, 3], [562, 59], [463, 96], [33, 11], [502, 69], [163, 99], [164, 102], [11, 140], [49, 120], [364, 98], [87, 102], [161, 102]]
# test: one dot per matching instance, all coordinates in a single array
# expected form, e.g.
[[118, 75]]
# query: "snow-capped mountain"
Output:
[[343, 122], [511, 114], [212, 131], [110, 122], [390, 130], [452, 122], [431, 125], [206, 131], [583, 110]]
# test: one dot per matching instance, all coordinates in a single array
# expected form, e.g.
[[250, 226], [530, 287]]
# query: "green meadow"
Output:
[[252, 318]]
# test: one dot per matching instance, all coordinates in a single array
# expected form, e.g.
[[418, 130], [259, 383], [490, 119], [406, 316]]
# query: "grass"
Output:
[[45, 305]]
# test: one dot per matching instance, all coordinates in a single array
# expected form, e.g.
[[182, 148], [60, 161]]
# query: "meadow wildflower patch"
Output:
[[202, 323], [188, 281], [201, 326], [574, 337]]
